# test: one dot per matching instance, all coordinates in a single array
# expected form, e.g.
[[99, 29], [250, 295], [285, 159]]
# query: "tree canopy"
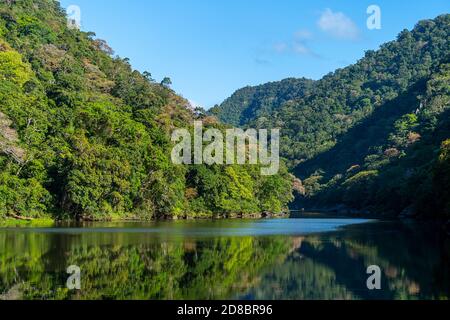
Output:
[[368, 136], [84, 135]]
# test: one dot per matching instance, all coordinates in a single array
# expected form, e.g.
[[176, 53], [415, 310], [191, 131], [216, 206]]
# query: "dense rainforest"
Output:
[[371, 137], [84, 136]]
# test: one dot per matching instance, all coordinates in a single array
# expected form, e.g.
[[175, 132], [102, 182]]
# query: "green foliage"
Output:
[[18, 196], [441, 179], [366, 136], [83, 135], [12, 69], [238, 190], [358, 188], [251, 103], [315, 115]]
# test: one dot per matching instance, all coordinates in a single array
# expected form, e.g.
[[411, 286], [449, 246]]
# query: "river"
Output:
[[226, 259]]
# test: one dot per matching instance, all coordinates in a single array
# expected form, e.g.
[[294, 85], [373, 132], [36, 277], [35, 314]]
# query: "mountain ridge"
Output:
[[359, 122]]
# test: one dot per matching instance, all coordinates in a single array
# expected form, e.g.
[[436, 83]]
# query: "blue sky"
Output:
[[210, 48]]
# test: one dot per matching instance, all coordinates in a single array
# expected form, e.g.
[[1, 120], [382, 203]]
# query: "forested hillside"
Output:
[[83, 135], [372, 136], [260, 102]]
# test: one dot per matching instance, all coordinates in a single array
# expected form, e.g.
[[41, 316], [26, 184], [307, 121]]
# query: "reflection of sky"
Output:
[[269, 227]]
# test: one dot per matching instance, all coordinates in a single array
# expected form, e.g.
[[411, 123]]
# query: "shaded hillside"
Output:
[[313, 122], [391, 161], [369, 136]]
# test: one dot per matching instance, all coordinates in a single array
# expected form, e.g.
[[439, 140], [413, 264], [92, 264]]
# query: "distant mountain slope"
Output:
[[369, 136], [258, 102], [313, 122]]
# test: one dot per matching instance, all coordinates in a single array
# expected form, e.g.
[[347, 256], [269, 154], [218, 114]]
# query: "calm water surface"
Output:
[[227, 259]]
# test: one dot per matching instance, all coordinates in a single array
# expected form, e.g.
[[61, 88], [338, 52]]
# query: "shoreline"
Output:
[[48, 222], [316, 214]]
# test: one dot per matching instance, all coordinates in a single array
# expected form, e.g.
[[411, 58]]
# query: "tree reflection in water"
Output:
[[414, 260]]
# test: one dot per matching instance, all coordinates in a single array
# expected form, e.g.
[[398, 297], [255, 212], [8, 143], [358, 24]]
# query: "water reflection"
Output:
[[223, 260]]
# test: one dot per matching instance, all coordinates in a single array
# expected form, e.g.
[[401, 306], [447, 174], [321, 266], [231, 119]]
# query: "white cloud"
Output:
[[338, 25], [298, 45], [300, 48]]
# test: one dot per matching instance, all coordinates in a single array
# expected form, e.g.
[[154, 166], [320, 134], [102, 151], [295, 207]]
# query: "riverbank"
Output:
[[41, 222], [48, 222]]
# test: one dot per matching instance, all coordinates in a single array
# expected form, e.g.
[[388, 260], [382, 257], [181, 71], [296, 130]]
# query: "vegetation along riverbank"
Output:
[[84, 136]]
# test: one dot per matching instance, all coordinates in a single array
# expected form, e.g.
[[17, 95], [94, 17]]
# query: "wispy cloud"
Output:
[[300, 48], [262, 61], [303, 35], [338, 25], [299, 44]]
